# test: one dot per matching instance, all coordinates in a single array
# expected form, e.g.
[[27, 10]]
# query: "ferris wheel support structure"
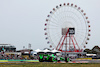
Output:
[[71, 39]]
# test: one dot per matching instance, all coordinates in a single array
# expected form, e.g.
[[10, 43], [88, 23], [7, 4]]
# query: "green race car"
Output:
[[50, 58]]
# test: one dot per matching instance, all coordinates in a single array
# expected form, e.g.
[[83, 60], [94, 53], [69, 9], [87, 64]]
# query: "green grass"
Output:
[[47, 64]]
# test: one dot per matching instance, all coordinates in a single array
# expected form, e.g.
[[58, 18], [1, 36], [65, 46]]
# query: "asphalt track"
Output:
[[36, 61], [85, 61]]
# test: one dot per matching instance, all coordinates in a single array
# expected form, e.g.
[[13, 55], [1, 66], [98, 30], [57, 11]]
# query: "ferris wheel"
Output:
[[67, 28]]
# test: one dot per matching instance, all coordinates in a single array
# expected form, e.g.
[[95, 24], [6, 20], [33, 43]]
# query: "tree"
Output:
[[88, 50]]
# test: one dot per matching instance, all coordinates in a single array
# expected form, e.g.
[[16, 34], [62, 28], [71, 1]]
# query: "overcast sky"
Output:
[[22, 21]]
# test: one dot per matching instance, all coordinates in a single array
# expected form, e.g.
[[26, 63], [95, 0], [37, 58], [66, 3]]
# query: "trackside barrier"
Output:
[[19, 60], [84, 59]]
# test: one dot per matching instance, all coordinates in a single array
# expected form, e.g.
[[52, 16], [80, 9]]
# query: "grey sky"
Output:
[[22, 21]]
